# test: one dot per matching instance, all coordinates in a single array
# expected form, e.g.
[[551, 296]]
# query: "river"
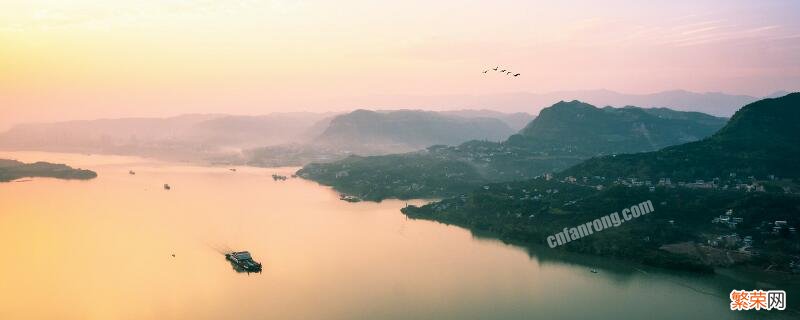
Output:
[[102, 249]]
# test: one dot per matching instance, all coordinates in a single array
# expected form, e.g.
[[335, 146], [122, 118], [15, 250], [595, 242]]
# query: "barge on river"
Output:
[[244, 261]]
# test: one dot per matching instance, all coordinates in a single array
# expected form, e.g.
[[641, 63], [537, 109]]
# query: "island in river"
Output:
[[13, 169]]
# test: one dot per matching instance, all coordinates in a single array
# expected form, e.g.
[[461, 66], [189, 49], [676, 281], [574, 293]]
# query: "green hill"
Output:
[[761, 139], [562, 135], [696, 226], [580, 128]]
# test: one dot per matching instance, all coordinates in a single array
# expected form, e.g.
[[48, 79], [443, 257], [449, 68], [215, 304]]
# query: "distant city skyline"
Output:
[[91, 58]]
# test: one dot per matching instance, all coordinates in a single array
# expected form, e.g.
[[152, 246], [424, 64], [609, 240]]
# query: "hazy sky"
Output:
[[103, 58]]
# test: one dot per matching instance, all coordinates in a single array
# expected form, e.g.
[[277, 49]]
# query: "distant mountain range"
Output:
[[763, 138], [376, 132], [185, 137], [274, 139], [515, 120], [713, 103], [563, 135], [366, 132]]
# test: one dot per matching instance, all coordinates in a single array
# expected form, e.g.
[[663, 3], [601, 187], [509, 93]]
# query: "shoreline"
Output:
[[539, 248]]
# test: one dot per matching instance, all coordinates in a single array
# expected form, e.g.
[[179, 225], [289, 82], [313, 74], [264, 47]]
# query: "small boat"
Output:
[[232, 169], [593, 271], [167, 187], [349, 198], [277, 177], [131, 172], [243, 260]]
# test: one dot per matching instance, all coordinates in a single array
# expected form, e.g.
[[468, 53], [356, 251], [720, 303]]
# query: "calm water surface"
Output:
[[101, 249]]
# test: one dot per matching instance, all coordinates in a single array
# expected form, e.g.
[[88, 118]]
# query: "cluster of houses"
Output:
[[779, 225], [733, 241], [794, 265], [728, 219], [745, 244], [752, 186], [534, 195], [475, 153]]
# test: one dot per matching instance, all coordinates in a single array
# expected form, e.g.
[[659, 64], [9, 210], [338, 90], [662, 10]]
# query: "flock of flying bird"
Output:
[[507, 72]]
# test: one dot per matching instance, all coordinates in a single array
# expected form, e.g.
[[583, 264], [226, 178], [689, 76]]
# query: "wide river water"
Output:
[[102, 249]]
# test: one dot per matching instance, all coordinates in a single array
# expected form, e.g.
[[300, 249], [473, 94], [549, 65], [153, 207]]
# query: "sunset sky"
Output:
[[98, 58]]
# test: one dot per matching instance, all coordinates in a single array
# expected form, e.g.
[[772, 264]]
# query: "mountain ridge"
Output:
[[541, 147], [761, 139], [713, 103], [367, 131]]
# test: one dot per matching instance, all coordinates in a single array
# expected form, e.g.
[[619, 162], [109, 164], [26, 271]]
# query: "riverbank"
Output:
[[526, 213]]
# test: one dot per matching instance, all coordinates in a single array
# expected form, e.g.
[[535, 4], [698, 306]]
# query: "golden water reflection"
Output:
[[102, 249]]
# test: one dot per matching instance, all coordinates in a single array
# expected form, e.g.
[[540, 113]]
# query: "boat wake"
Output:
[[222, 249]]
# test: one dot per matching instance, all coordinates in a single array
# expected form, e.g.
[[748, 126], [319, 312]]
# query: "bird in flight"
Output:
[[506, 71]]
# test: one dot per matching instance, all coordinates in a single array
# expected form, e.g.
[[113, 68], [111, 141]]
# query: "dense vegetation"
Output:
[[526, 213], [580, 128], [563, 135], [761, 139], [438, 171], [12, 169]]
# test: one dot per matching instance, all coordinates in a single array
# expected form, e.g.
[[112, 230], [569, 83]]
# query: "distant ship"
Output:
[[243, 261], [131, 172], [232, 169], [167, 187]]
